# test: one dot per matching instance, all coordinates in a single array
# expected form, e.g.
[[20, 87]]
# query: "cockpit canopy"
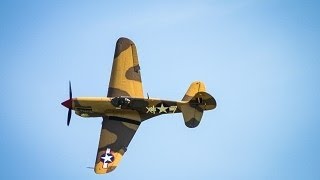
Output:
[[120, 101]]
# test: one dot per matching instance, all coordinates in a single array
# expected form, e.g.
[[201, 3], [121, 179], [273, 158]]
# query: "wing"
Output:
[[125, 77], [116, 134]]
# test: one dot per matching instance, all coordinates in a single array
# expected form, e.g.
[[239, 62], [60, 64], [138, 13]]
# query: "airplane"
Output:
[[125, 107]]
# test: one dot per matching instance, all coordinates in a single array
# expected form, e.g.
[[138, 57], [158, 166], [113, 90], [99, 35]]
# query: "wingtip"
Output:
[[122, 44], [124, 40], [99, 170]]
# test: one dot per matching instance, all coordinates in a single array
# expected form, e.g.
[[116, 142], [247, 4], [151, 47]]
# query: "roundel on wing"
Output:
[[107, 158]]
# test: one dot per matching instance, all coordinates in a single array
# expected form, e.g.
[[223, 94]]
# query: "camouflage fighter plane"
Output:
[[125, 107]]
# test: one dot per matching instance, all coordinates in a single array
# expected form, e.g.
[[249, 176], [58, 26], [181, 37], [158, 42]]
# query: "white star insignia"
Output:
[[162, 109], [107, 158]]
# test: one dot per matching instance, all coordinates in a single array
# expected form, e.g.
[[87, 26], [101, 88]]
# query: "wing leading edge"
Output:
[[116, 132]]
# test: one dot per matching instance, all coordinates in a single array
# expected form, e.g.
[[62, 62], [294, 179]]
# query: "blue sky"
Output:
[[259, 59]]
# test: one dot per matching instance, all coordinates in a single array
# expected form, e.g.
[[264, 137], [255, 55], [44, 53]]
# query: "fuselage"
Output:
[[138, 109]]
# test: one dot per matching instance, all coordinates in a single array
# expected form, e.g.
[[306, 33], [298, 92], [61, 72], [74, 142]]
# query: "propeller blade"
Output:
[[68, 104], [69, 117], [70, 90]]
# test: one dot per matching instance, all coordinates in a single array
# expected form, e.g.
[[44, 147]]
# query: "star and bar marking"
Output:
[[107, 158], [162, 109]]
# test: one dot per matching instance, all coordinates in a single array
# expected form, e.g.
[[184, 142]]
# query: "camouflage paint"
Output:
[[121, 122]]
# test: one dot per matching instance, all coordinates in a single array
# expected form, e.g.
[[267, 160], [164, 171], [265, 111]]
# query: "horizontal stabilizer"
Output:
[[198, 101]]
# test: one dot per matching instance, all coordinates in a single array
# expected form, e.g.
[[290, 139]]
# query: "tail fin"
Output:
[[195, 87], [198, 101]]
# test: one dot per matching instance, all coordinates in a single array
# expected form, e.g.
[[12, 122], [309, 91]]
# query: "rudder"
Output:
[[194, 88]]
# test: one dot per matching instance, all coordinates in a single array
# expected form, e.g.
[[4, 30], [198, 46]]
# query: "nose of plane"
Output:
[[67, 103]]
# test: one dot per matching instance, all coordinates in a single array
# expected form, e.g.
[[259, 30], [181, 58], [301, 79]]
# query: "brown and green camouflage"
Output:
[[125, 108]]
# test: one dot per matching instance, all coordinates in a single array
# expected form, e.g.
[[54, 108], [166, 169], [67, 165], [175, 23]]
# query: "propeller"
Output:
[[68, 104]]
